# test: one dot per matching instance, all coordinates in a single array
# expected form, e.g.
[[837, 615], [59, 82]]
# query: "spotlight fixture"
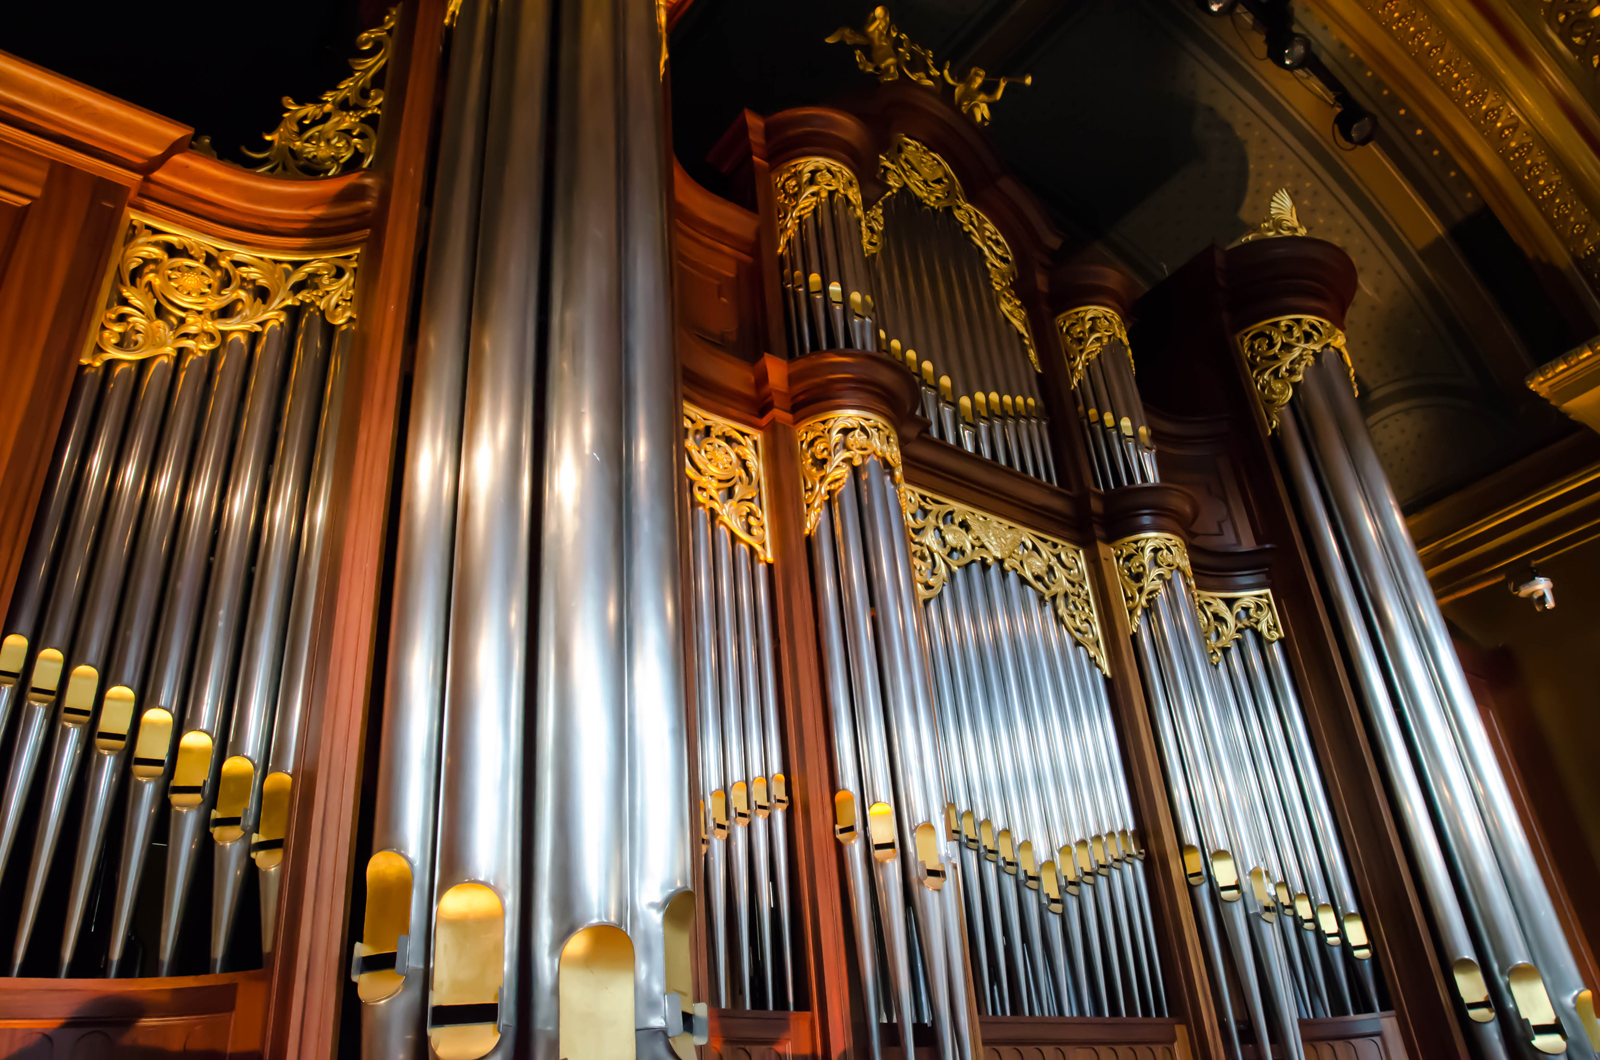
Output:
[[1217, 7], [1356, 125], [1288, 50]]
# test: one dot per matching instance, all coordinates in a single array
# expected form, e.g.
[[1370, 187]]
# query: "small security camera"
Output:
[[1536, 587]]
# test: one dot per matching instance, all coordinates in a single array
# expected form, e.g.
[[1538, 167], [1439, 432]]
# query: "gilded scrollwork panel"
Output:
[[1279, 351], [946, 535], [173, 290], [723, 462], [832, 444], [1085, 333], [800, 185], [1225, 616], [1145, 564]]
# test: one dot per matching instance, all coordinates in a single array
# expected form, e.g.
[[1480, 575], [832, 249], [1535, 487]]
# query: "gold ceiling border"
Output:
[[322, 139], [1085, 332], [1145, 563], [835, 442], [1282, 220], [914, 166], [800, 186], [723, 461], [1225, 616], [172, 290], [946, 534], [1278, 352]]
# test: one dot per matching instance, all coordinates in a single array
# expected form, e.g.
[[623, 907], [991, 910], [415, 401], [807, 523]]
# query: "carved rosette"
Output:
[[1225, 616], [799, 186], [1085, 332], [832, 444], [723, 462], [1145, 563], [1279, 351], [917, 168], [946, 535], [176, 291]]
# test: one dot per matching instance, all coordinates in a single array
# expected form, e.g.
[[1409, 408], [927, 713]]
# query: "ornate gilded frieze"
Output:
[[1085, 332], [832, 444], [723, 462], [917, 168], [1225, 616], [1282, 220], [1279, 351], [1145, 563], [174, 290], [799, 186], [946, 535], [336, 133]]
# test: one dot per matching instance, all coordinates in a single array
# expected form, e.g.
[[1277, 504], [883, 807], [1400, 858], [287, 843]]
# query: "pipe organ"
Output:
[[548, 609]]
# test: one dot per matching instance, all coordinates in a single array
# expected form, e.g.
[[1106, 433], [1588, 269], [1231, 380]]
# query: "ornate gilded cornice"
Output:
[[832, 444], [173, 290], [1085, 332], [723, 462], [799, 186], [1145, 563], [918, 169], [946, 535], [323, 139], [1279, 351], [1281, 219], [1225, 616]]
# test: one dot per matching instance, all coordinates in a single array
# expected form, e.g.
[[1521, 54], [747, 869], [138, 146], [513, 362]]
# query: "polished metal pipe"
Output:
[[713, 793], [778, 782], [755, 767], [734, 771]]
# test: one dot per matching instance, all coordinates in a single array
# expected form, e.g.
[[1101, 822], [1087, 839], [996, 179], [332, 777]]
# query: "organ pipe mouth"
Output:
[[596, 995], [965, 405], [469, 940], [1030, 867], [1533, 1002], [758, 796], [946, 389], [13, 654], [1584, 1003], [1329, 923], [77, 706], [880, 828], [952, 821], [154, 742], [740, 798], [1085, 859], [814, 282], [912, 362], [994, 403], [844, 817], [780, 792], [1263, 893], [1194, 869], [1009, 405], [1474, 992], [1031, 407], [1097, 847], [927, 372], [980, 404], [1355, 933], [969, 830], [991, 851], [1226, 873], [856, 305], [1304, 911], [927, 839], [387, 921], [46, 675], [835, 293], [719, 814], [116, 719], [1067, 869], [1008, 852], [233, 798], [267, 846], [189, 774]]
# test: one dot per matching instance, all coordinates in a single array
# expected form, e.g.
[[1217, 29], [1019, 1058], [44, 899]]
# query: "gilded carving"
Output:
[[1145, 563], [1225, 616], [832, 444], [918, 169], [723, 462], [946, 535], [336, 133], [176, 291], [970, 96], [1085, 332], [886, 53], [799, 186], [1279, 351], [1281, 219]]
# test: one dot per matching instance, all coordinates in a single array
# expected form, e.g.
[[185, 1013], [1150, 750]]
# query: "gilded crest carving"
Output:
[[176, 291], [946, 535], [1279, 351], [1281, 219], [832, 444], [723, 462], [915, 167], [1085, 332], [799, 186], [886, 53], [1225, 616], [1145, 563]]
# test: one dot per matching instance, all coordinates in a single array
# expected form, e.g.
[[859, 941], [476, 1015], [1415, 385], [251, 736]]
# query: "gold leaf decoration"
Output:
[[1145, 563], [723, 461], [946, 535], [1279, 351], [886, 53], [1281, 219], [832, 444], [173, 290], [801, 185], [325, 138], [1225, 616], [1085, 332], [915, 167]]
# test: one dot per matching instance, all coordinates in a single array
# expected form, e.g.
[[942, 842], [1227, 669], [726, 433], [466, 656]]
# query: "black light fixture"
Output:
[[1356, 125], [1288, 49]]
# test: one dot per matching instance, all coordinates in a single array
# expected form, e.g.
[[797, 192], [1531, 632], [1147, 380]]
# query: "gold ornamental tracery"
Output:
[[1145, 563], [173, 290], [1279, 351], [1085, 333], [946, 535], [832, 444], [801, 185], [1225, 616], [723, 462]]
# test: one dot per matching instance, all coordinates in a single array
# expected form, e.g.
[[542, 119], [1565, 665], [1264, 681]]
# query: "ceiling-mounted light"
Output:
[[1356, 125], [1217, 7], [1288, 50]]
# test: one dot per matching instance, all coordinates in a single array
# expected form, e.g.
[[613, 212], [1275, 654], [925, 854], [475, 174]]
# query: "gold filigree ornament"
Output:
[[324, 138], [1145, 563], [946, 535], [803, 184], [173, 290], [1085, 332], [917, 168], [886, 53], [1225, 616], [832, 444], [1281, 219], [1279, 351], [723, 462]]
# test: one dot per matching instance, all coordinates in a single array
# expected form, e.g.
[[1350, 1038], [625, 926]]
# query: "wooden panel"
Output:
[[758, 1036], [211, 1016], [1018, 1038]]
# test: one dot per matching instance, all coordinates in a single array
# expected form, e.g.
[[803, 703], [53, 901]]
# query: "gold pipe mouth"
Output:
[[1533, 1003], [1472, 990]]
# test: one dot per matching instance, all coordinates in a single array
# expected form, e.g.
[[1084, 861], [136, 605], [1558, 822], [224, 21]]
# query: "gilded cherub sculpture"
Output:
[[970, 96], [889, 53]]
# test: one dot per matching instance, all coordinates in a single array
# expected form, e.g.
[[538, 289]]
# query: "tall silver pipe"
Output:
[[778, 780], [713, 790], [755, 767], [734, 766]]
